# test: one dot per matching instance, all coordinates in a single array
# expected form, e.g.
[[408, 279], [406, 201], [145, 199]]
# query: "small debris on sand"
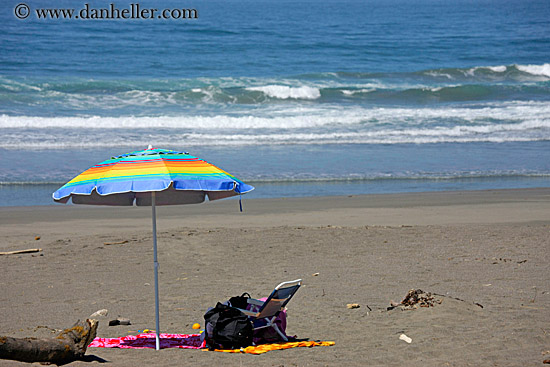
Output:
[[418, 298], [115, 243], [30, 250], [405, 338], [102, 312], [119, 321]]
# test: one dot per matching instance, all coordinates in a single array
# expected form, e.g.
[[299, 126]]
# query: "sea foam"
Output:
[[499, 122], [286, 92], [543, 70], [300, 117]]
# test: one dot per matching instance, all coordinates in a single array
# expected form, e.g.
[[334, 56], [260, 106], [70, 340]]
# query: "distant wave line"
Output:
[[48, 143], [290, 86], [271, 93], [294, 117], [315, 180]]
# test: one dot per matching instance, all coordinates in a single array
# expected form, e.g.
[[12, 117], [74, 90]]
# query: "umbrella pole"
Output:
[[154, 214]]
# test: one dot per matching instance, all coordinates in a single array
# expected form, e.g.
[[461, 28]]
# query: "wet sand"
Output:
[[486, 247]]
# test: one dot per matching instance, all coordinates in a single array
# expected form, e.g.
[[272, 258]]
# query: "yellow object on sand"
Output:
[[263, 348], [196, 326]]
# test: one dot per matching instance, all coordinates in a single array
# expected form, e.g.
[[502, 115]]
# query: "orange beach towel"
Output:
[[262, 348]]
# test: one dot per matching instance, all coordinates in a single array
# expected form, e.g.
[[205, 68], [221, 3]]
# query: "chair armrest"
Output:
[[255, 302], [248, 313]]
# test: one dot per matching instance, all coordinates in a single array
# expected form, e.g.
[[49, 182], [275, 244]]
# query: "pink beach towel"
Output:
[[148, 340], [191, 341]]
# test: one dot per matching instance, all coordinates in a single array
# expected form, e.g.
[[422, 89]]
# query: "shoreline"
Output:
[[424, 208], [39, 194]]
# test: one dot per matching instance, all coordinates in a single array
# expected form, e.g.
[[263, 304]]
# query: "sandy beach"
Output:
[[486, 252]]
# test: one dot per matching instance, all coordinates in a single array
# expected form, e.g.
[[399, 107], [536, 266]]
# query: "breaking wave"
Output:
[[504, 122], [286, 92], [27, 96]]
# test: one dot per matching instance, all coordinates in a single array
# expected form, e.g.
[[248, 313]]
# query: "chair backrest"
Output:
[[278, 299]]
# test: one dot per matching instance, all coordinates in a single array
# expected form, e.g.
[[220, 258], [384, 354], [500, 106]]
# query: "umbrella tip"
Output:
[[149, 147]]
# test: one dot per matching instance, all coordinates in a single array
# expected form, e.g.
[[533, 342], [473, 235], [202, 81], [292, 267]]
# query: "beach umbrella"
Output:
[[151, 177]]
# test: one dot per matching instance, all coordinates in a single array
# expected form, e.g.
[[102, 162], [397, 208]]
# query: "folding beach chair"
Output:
[[270, 308]]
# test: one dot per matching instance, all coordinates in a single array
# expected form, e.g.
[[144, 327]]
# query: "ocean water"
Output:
[[298, 98]]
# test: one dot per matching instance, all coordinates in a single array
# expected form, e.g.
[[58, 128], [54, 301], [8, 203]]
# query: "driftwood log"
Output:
[[68, 346]]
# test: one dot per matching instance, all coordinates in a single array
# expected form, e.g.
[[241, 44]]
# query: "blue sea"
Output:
[[298, 98]]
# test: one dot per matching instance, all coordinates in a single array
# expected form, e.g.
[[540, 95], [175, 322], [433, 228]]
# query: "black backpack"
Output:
[[227, 328], [240, 301]]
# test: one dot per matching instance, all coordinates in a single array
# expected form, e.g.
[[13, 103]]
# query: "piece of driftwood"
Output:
[[115, 243], [68, 346], [21, 251]]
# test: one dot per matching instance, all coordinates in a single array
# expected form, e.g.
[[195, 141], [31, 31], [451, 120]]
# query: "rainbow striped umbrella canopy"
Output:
[[151, 177], [175, 177]]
